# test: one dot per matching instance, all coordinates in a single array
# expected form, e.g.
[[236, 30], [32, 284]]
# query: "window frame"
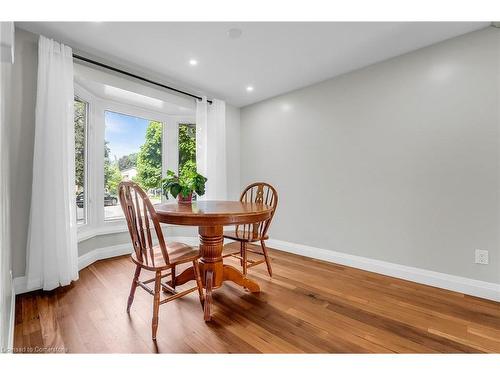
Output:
[[85, 96], [95, 224]]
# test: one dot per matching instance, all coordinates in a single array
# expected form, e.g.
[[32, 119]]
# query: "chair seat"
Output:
[[178, 252], [244, 236]]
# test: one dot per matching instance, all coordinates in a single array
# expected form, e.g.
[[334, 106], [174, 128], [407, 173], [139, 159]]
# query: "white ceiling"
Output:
[[272, 57]]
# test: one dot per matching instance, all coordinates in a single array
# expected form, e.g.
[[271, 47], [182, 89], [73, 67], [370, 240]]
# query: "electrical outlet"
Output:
[[482, 256]]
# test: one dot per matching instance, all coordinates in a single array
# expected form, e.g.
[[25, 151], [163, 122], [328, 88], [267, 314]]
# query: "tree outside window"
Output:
[[187, 147], [132, 152], [149, 171], [80, 123]]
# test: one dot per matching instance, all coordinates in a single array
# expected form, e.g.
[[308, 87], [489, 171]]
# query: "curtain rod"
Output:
[[75, 56]]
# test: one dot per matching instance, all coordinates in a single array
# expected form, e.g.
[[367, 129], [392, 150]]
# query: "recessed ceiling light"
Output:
[[234, 33], [249, 88], [193, 62]]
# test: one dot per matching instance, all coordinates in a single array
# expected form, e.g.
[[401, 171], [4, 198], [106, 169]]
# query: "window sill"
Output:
[[119, 226], [88, 233]]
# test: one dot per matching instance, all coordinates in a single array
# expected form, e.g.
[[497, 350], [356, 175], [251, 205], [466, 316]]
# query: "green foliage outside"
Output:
[[187, 147], [188, 180], [148, 161], [80, 122], [114, 181], [127, 161], [112, 175], [149, 158]]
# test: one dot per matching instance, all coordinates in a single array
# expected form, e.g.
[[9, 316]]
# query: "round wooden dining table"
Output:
[[210, 217]]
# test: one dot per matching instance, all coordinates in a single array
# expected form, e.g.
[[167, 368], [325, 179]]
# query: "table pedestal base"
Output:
[[213, 271]]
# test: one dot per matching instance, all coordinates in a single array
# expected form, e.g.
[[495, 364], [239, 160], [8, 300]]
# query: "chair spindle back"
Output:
[[140, 213], [258, 192]]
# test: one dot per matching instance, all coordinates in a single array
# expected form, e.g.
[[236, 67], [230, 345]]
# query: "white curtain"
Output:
[[211, 147], [52, 254]]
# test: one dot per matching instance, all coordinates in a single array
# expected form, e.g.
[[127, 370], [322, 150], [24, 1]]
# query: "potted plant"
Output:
[[183, 186]]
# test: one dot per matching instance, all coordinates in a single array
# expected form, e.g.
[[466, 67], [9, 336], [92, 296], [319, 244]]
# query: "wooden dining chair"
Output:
[[161, 258], [258, 192]]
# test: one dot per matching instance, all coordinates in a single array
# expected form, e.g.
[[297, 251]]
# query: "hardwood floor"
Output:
[[308, 306]]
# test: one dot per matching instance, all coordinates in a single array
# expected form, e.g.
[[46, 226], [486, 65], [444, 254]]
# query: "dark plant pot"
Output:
[[185, 200]]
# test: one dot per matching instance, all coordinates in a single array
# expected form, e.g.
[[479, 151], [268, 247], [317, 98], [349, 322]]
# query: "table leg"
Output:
[[213, 271], [211, 266], [234, 275], [185, 276], [208, 295]]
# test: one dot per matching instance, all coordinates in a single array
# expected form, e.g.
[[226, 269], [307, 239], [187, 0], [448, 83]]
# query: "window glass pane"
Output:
[[187, 146], [132, 152], [81, 110], [187, 149]]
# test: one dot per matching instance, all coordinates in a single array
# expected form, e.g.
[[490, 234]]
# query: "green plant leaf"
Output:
[[186, 191], [187, 182], [175, 189]]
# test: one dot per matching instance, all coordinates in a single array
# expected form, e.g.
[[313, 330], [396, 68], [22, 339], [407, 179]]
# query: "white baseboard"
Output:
[[12, 320], [459, 284], [20, 285], [87, 259]]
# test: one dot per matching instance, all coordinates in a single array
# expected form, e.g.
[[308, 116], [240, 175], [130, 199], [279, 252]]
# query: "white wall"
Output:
[[233, 152], [397, 162], [21, 140], [5, 211]]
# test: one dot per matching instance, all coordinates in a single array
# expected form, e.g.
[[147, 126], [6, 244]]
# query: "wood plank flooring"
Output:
[[309, 306]]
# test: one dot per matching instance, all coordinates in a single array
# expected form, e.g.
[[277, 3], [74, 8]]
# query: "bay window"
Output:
[[119, 140]]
